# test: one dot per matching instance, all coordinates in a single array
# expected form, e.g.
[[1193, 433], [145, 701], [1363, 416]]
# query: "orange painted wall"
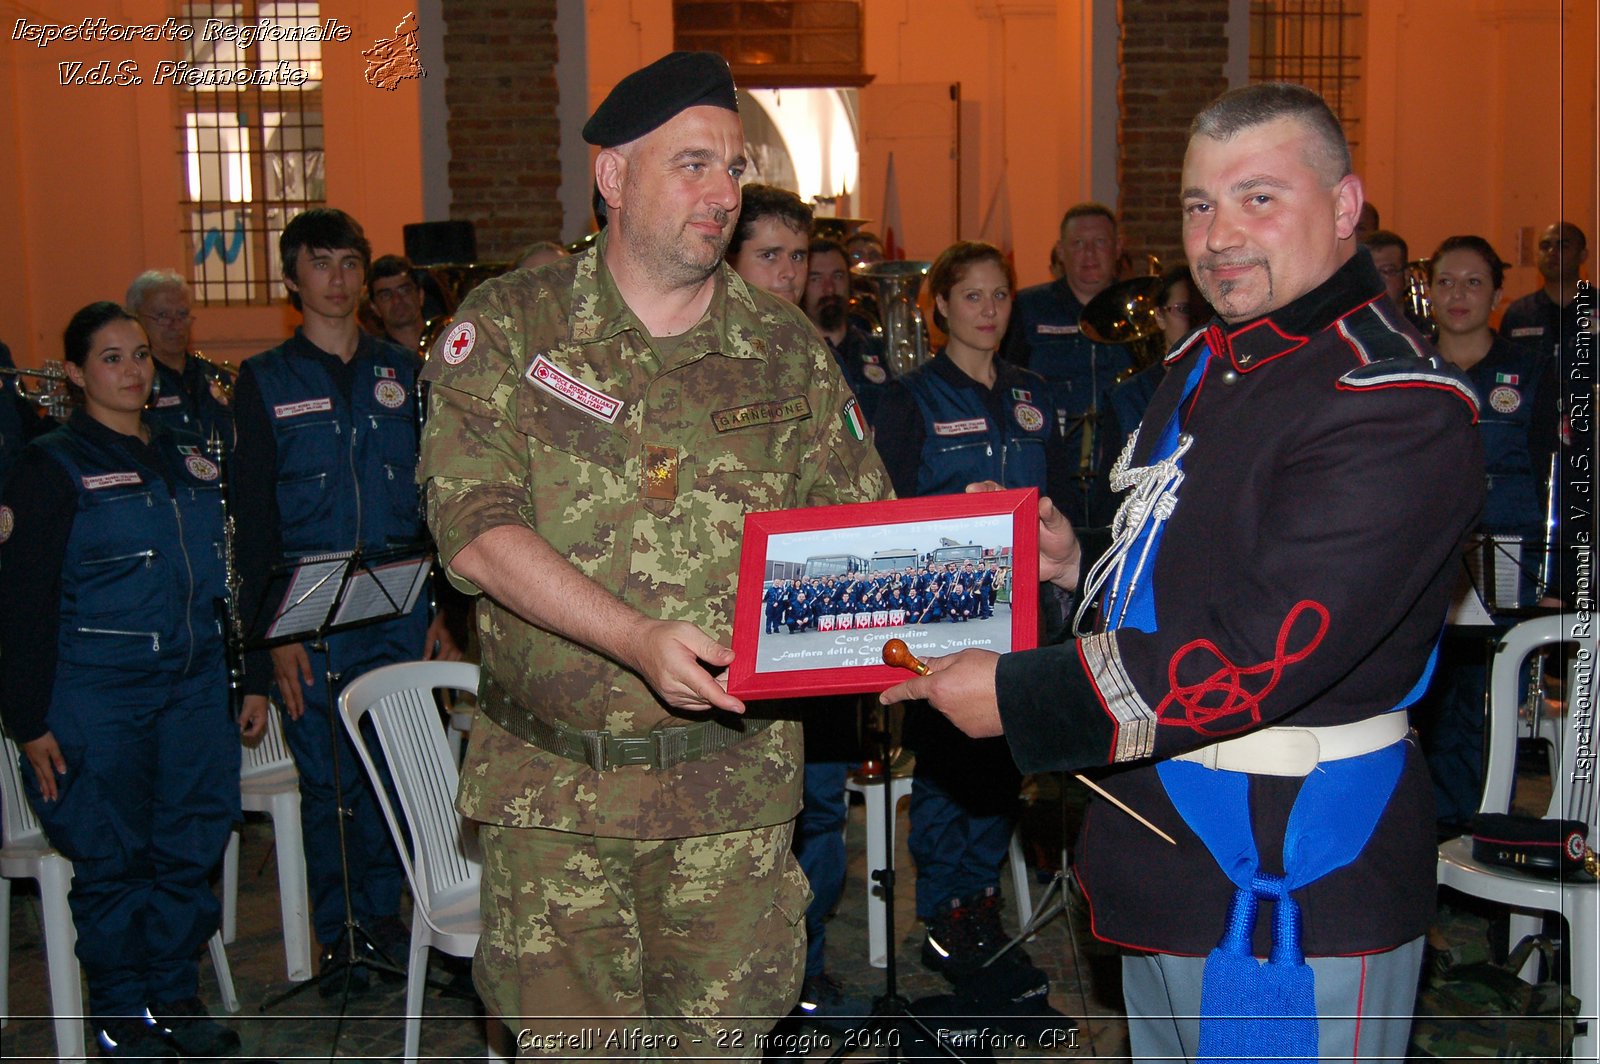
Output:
[[90, 177], [1482, 119]]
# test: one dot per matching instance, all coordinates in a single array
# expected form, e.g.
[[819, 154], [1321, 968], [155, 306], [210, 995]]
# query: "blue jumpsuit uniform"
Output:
[[133, 687], [341, 447], [1044, 337], [963, 799], [1516, 388], [186, 402]]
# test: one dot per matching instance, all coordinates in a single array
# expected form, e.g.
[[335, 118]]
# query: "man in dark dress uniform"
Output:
[[1295, 499]]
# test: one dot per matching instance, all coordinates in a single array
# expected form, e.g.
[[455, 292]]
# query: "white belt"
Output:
[[1285, 751]]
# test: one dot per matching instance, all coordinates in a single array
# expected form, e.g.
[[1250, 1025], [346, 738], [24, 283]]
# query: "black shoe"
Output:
[[391, 946], [188, 1027], [334, 967], [824, 997], [132, 1039], [964, 934]]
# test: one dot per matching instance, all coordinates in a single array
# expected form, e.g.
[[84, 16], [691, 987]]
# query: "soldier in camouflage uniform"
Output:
[[598, 430]]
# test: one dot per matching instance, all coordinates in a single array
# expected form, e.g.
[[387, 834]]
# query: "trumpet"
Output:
[[52, 396]]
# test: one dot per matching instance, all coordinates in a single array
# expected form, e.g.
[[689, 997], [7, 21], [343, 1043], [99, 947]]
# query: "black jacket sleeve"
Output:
[[40, 506], [898, 434], [253, 499]]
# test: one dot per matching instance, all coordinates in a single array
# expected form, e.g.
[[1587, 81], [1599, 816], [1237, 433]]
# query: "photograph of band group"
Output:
[[832, 598]]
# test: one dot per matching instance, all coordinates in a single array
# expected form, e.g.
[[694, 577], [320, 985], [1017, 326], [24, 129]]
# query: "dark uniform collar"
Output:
[[947, 370], [299, 345], [1251, 343]]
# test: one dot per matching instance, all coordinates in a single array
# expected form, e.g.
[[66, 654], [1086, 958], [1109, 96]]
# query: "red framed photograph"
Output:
[[822, 589]]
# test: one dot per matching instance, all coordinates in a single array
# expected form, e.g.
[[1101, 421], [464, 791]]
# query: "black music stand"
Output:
[[311, 599]]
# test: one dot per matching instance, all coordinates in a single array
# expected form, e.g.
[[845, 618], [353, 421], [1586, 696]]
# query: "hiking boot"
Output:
[[131, 1038], [188, 1027]]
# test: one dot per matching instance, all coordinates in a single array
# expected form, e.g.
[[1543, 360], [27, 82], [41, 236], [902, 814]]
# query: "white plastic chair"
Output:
[[441, 863], [1578, 902], [25, 853], [879, 845], [268, 783]]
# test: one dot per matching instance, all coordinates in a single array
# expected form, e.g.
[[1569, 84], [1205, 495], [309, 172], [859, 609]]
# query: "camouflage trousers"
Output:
[[602, 948]]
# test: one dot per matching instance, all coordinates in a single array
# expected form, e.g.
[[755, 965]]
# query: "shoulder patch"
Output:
[[1405, 372]]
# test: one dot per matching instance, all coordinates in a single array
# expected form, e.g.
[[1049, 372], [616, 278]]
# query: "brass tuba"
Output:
[[1125, 314], [905, 334]]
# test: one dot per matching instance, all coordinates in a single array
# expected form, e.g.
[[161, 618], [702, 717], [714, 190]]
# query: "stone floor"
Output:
[[306, 1026]]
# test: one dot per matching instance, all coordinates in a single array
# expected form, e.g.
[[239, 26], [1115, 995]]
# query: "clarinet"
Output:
[[228, 607]]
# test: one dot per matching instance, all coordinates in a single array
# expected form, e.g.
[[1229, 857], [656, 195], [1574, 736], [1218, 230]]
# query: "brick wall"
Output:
[[505, 140], [1172, 57]]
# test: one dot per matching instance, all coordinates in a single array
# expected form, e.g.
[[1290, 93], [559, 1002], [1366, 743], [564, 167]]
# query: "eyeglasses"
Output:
[[176, 317], [1391, 271], [399, 291], [1177, 308]]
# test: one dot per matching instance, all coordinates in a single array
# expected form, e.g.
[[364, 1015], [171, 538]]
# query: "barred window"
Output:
[[1314, 43], [251, 132]]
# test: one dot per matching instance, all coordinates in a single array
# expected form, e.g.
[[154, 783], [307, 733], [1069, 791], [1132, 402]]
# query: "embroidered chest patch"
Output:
[[304, 406], [1505, 399], [1028, 416], [390, 393], [111, 480], [573, 392], [961, 428], [200, 468]]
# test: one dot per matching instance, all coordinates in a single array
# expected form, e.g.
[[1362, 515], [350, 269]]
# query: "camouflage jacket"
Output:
[[636, 459]]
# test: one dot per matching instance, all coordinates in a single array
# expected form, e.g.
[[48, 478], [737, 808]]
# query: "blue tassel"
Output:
[[1253, 1011]]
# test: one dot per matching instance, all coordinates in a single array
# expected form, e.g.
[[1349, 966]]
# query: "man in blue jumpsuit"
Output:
[[190, 392], [326, 462], [1549, 319], [1295, 500], [1044, 337]]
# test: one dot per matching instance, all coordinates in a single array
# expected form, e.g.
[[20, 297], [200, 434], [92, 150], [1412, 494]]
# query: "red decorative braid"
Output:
[[1184, 702]]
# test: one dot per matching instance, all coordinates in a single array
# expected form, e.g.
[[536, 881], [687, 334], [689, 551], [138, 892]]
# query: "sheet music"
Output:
[[310, 595], [383, 590]]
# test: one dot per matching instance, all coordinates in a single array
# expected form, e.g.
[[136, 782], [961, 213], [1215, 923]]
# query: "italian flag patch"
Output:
[[1506, 378], [384, 371], [853, 421]]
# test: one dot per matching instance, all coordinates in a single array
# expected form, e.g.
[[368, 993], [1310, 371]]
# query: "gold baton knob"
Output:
[[897, 654]]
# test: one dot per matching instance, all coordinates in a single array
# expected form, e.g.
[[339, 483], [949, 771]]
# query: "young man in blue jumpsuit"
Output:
[[1308, 475], [326, 462]]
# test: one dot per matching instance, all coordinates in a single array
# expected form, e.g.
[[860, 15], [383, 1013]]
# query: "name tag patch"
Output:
[[961, 428], [1527, 330], [169, 400], [304, 406], [1056, 330], [111, 480], [767, 412], [573, 392]]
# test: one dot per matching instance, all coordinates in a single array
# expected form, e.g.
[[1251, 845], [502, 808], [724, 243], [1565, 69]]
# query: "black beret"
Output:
[[651, 96]]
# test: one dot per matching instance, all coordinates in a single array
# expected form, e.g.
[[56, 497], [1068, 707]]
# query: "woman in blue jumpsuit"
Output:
[[1517, 424], [966, 416], [113, 684]]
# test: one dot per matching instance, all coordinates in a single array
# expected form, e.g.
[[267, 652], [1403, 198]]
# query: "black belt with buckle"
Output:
[[662, 747]]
